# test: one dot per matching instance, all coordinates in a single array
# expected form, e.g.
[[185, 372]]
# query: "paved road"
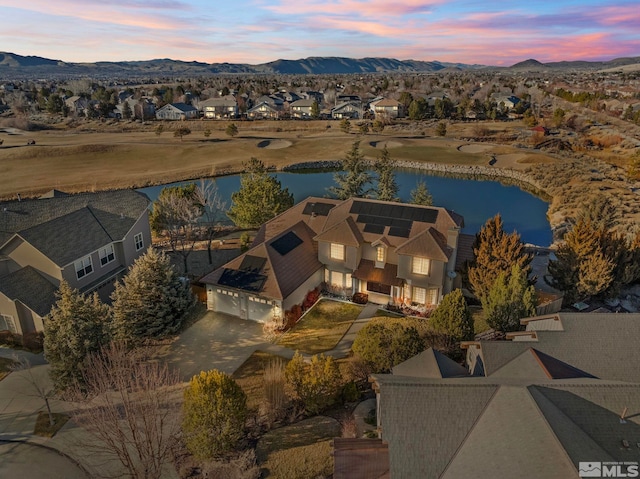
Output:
[[29, 461]]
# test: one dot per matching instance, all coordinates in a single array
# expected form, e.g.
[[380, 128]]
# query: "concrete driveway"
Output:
[[28, 461], [216, 341]]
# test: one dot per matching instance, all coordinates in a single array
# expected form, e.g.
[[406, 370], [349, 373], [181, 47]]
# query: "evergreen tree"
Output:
[[420, 195], [260, 198], [231, 130], [316, 384], [126, 111], [509, 299], [387, 186], [315, 110], [214, 414], [151, 301], [76, 326], [355, 179], [345, 125], [453, 318], [383, 344], [496, 252], [441, 129]]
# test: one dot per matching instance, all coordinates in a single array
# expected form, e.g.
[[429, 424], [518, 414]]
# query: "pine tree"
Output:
[[420, 195], [509, 299], [316, 384], [453, 318], [355, 180], [496, 252], [387, 186], [151, 301], [260, 198], [214, 414], [76, 326]]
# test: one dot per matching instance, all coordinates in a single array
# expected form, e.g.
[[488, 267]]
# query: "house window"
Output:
[[7, 323], [420, 265], [336, 278], [139, 241], [348, 282], [107, 255], [419, 295], [380, 254], [378, 287], [432, 296], [337, 251], [83, 267]]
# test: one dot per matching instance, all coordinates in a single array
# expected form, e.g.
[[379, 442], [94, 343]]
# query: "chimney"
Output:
[[452, 237]]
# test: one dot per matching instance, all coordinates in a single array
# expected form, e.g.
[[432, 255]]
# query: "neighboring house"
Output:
[[144, 109], [348, 110], [302, 108], [507, 102], [396, 253], [387, 108], [87, 239], [565, 392], [264, 110], [77, 104], [177, 111], [220, 108]]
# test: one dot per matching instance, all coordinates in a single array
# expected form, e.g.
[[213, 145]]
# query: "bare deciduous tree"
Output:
[[132, 407], [212, 207]]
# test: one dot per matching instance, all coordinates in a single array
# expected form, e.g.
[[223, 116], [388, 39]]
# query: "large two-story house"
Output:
[[396, 253], [87, 239]]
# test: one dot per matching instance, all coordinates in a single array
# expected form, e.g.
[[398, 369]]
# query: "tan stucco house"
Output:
[[87, 239], [396, 253]]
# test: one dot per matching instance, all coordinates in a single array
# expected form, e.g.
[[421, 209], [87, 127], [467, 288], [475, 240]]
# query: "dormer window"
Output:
[[337, 251], [420, 265], [380, 254]]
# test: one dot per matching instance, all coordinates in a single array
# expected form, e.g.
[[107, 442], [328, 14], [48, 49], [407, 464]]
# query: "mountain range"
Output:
[[16, 66]]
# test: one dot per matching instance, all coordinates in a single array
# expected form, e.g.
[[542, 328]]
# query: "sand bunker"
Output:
[[474, 148], [388, 144], [274, 144]]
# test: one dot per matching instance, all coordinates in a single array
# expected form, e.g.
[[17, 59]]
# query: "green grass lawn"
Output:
[[299, 451], [249, 376], [322, 327]]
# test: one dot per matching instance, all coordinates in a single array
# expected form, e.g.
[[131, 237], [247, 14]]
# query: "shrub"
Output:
[[33, 341], [350, 392], [10, 339], [215, 410], [292, 316], [312, 297], [274, 381], [361, 298], [315, 384]]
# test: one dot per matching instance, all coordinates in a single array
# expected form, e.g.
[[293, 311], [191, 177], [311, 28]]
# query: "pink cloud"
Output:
[[363, 8]]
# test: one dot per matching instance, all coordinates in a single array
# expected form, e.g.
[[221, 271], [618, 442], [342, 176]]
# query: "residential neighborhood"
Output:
[[377, 326]]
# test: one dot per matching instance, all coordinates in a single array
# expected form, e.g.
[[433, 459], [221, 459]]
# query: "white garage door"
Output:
[[227, 302], [259, 309]]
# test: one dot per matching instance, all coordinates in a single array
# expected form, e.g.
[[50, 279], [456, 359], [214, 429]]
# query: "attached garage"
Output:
[[237, 303], [259, 309], [224, 301]]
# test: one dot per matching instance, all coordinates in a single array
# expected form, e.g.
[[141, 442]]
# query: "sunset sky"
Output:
[[257, 31]]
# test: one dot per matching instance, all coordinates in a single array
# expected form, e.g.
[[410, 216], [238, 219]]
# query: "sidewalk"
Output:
[[343, 347]]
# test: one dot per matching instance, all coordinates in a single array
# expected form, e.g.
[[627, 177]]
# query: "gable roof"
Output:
[[29, 287], [346, 232], [182, 107], [429, 244], [430, 363], [279, 274], [576, 342], [116, 211]]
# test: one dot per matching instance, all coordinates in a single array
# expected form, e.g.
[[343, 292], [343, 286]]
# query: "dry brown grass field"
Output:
[[95, 156]]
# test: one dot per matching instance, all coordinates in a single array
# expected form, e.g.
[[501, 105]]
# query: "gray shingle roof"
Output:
[[601, 344], [117, 211], [30, 288], [430, 364]]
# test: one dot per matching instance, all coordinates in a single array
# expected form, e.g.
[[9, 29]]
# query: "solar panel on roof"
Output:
[[320, 209], [371, 228], [286, 243], [399, 223], [252, 263], [246, 280], [400, 232]]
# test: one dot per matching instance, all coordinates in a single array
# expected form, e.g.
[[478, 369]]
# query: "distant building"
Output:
[[177, 111]]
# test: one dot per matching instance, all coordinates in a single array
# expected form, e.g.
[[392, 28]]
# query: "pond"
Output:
[[475, 200]]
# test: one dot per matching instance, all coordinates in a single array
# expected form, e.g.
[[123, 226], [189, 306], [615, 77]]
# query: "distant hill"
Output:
[[13, 66], [16, 65], [535, 65]]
